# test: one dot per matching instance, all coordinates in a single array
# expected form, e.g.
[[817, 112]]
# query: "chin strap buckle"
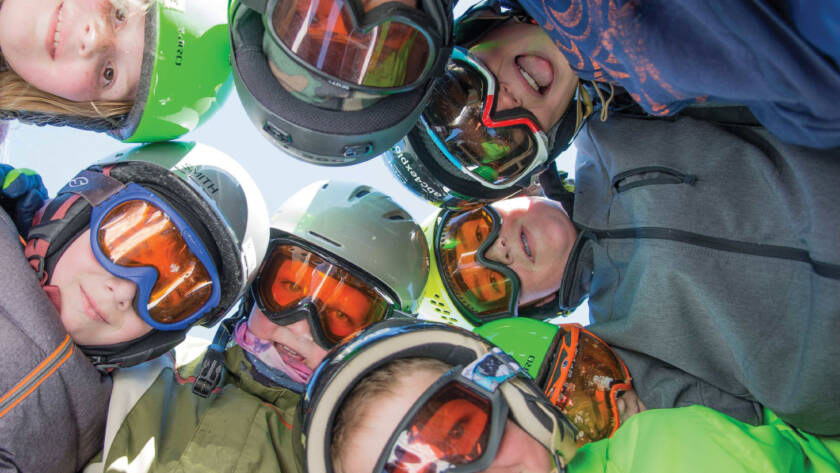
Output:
[[211, 372]]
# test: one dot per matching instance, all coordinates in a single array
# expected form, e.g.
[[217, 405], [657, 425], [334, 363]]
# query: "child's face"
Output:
[[293, 342], [80, 50], [535, 241], [516, 53], [518, 452], [97, 308]]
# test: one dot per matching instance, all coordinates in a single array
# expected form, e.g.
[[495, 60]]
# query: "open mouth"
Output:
[[288, 352], [54, 33], [536, 71]]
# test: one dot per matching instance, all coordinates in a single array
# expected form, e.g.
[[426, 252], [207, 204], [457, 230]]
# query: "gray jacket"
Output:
[[53, 402], [711, 258]]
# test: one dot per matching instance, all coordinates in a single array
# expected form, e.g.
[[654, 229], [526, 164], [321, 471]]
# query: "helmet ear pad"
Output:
[[308, 132]]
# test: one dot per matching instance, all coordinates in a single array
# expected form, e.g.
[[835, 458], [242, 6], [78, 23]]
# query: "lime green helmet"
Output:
[[185, 74]]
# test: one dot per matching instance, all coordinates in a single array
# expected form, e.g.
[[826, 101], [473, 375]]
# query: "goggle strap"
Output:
[[95, 187]]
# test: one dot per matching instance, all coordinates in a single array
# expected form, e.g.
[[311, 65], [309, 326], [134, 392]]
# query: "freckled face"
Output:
[[80, 50]]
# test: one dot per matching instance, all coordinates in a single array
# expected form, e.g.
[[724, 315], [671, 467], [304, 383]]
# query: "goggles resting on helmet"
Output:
[[456, 425], [585, 381], [299, 280], [482, 289], [494, 148], [136, 235]]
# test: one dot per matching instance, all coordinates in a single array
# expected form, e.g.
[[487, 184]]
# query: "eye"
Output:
[[120, 16], [108, 74]]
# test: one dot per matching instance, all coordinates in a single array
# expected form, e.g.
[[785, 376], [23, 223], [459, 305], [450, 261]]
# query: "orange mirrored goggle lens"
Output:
[[595, 378], [345, 303], [477, 287], [322, 34], [451, 427], [137, 233]]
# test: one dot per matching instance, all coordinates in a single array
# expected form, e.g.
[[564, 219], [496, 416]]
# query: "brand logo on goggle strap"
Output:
[[491, 370], [415, 176], [78, 182]]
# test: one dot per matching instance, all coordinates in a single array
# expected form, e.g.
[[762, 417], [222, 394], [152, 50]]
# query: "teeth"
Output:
[[530, 79], [57, 36], [525, 244]]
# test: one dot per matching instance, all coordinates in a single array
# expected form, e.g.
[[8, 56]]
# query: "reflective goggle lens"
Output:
[[322, 34], [345, 303], [586, 392], [137, 233], [481, 290], [450, 429], [494, 151]]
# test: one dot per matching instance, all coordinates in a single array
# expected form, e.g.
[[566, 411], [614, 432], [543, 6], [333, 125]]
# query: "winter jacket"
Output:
[[53, 402], [711, 261], [698, 439], [157, 424], [673, 53]]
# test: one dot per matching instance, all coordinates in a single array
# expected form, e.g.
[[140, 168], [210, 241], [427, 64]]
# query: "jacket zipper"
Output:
[[41, 373]]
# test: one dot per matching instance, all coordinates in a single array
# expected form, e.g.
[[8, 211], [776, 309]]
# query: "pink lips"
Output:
[[50, 40], [533, 255], [538, 68], [90, 308]]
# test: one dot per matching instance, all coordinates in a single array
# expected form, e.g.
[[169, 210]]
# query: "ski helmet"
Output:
[[184, 77], [394, 339], [321, 120], [423, 162], [206, 188], [363, 227], [579, 372]]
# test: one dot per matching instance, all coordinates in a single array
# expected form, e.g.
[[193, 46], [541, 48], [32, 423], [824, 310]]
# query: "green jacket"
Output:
[[699, 439], [157, 424]]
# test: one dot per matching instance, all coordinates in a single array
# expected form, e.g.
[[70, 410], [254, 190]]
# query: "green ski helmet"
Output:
[[185, 75], [393, 339], [363, 227], [206, 188], [579, 372]]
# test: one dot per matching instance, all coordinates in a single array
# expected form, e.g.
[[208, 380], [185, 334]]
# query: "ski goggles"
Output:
[[136, 235], [389, 49], [482, 289], [494, 148], [298, 280], [585, 383], [456, 425]]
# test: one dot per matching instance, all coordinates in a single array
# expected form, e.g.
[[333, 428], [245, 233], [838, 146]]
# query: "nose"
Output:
[[123, 292], [95, 36], [300, 329], [507, 99], [499, 251]]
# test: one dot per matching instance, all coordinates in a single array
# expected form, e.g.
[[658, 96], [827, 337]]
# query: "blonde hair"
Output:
[[385, 381], [17, 95]]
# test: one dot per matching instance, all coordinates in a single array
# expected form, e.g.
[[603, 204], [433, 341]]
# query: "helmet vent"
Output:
[[328, 240], [397, 215], [361, 193]]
